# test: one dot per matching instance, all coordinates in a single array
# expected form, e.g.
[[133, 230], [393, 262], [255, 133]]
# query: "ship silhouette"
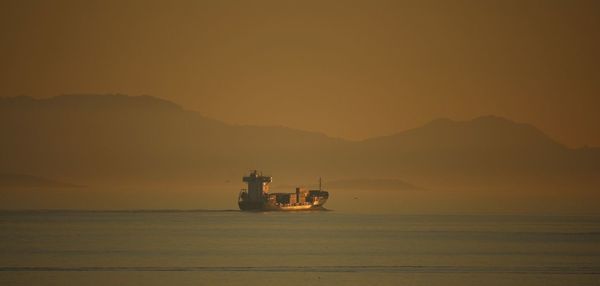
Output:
[[258, 198]]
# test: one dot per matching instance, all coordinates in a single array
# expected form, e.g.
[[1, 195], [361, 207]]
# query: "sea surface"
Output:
[[230, 247]]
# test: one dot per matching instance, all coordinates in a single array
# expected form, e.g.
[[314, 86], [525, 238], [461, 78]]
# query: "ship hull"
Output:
[[266, 206]]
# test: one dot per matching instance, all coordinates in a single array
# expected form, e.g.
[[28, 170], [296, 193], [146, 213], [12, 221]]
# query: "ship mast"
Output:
[[319, 183]]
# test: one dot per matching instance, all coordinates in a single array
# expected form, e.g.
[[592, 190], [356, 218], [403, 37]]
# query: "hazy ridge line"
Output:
[[118, 211]]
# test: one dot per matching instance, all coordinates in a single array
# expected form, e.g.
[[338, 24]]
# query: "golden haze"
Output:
[[353, 69]]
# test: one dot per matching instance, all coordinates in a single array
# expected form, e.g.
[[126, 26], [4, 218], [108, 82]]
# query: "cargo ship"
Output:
[[258, 198]]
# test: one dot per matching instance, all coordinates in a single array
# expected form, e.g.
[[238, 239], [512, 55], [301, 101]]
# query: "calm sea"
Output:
[[314, 248]]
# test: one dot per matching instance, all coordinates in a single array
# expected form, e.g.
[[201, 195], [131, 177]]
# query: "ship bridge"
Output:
[[258, 185]]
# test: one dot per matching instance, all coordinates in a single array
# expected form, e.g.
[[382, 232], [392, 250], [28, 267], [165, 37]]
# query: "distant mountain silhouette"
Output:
[[142, 138], [487, 144], [353, 184], [28, 181], [371, 184]]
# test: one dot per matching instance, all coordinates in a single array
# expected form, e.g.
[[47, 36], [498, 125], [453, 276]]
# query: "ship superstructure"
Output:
[[257, 197]]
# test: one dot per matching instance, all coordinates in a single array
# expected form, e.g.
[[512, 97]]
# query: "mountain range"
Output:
[[91, 138]]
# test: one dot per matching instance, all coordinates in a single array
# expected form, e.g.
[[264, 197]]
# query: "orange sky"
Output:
[[350, 69]]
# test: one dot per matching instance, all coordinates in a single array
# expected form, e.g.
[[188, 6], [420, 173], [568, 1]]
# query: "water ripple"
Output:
[[336, 268]]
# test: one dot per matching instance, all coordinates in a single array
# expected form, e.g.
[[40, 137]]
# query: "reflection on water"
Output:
[[236, 248]]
